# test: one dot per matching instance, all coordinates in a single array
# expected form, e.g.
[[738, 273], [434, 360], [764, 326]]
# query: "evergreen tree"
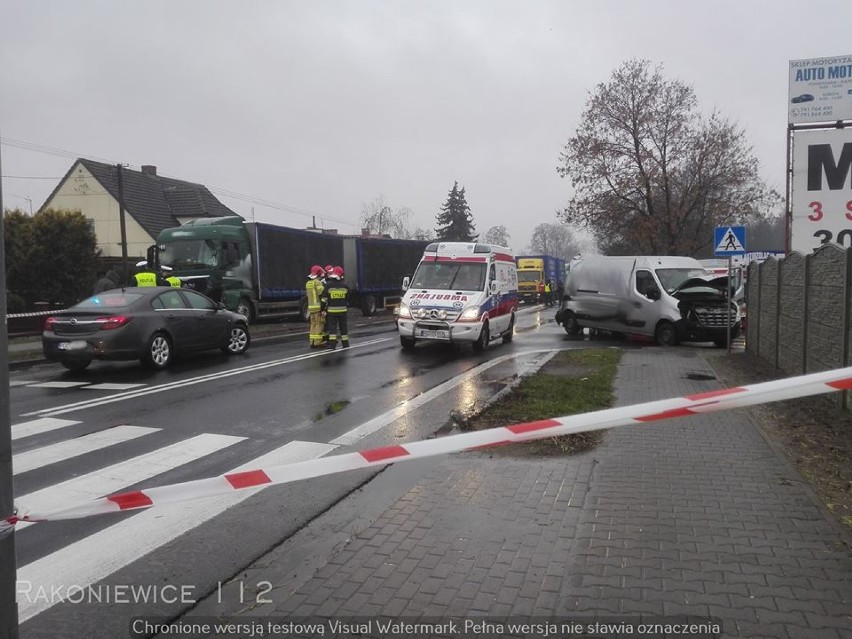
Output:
[[455, 221]]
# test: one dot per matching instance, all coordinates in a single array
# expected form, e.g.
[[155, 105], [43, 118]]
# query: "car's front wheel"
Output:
[[158, 355], [238, 341]]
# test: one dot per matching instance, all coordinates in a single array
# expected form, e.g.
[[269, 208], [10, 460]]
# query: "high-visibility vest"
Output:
[[314, 290], [547, 288], [174, 280], [146, 278]]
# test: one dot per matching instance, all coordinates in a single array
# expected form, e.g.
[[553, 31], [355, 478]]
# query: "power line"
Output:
[[30, 177], [40, 148]]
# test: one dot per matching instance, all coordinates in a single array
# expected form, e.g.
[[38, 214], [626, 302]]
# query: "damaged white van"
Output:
[[462, 292], [671, 299]]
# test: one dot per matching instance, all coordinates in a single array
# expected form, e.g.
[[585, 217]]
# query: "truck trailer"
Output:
[[264, 267]]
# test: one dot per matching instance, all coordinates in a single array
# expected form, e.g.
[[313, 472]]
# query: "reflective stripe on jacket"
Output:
[[338, 297], [314, 289], [174, 281]]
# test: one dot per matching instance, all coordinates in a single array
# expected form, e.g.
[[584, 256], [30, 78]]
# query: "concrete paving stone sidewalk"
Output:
[[695, 517]]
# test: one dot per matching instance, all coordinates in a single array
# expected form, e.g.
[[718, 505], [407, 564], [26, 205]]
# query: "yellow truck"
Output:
[[534, 271]]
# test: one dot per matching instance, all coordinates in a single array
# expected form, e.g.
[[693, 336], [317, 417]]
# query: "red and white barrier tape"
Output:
[[33, 314], [712, 401]]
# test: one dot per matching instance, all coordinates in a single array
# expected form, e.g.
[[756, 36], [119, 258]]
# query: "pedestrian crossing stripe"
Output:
[[728, 240], [84, 562]]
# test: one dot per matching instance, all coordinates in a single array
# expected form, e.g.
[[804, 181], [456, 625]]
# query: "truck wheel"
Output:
[[368, 306], [569, 323], [407, 343], [666, 334], [510, 334], [245, 309], [484, 338]]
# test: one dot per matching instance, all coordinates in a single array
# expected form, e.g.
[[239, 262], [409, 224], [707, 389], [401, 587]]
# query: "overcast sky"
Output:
[[320, 107]]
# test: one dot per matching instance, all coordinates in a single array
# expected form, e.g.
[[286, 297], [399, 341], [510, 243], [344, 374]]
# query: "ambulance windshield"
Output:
[[446, 276]]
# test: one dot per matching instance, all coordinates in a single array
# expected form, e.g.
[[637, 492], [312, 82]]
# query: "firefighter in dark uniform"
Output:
[[338, 305]]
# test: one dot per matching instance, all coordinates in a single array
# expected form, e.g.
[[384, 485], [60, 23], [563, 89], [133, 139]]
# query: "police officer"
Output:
[[173, 280], [314, 290], [145, 276], [338, 305]]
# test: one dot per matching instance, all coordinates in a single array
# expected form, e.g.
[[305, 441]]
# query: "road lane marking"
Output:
[[58, 384], [37, 426], [22, 382], [110, 386], [113, 478], [359, 432], [46, 455], [93, 558], [132, 394]]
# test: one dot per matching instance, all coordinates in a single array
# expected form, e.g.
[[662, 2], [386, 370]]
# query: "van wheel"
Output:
[[666, 334], [407, 343], [569, 322], [509, 334], [484, 338]]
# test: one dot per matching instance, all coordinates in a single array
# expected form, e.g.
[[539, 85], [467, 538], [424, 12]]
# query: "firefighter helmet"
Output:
[[337, 272], [316, 271], [329, 269]]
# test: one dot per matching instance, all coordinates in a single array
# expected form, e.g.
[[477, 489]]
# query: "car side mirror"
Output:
[[406, 282]]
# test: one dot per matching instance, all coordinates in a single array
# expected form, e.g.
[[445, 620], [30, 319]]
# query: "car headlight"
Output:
[[470, 314], [404, 311]]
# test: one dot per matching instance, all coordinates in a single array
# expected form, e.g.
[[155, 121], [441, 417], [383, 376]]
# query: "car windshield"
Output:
[[109, 299], [184, 254], [457, 276], [672, 278]]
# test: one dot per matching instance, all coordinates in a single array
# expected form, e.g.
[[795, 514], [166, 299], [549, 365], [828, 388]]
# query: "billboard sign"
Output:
[[822, 189], [820, 90]]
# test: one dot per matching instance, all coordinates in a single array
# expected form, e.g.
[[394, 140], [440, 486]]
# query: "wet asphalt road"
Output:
[[280, 399]]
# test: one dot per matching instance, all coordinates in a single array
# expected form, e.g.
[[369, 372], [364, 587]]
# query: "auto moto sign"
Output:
[[820, 90]]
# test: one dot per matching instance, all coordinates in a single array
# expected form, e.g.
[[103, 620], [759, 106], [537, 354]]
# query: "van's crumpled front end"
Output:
[[705, 310]]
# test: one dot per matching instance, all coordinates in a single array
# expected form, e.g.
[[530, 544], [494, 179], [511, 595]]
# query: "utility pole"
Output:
[[126, 277], [8, 568]]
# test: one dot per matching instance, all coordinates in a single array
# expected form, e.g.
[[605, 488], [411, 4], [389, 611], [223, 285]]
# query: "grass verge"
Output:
[[572, 382]]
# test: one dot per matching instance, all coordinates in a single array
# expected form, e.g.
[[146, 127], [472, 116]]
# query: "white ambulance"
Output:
[[461, 292]]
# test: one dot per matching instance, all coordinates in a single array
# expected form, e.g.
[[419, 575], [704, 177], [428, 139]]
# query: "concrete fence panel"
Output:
[[767, 340], [792, 302]]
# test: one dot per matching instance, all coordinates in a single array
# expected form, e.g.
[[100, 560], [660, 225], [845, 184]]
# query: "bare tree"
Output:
[[652, 176], [381, 219], [553, 239], [497, 235]]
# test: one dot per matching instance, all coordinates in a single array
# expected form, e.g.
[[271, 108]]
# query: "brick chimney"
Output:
[[149, 169]]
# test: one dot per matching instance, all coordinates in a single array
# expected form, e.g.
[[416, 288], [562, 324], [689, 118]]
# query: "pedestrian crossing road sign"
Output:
[[729, 240]]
